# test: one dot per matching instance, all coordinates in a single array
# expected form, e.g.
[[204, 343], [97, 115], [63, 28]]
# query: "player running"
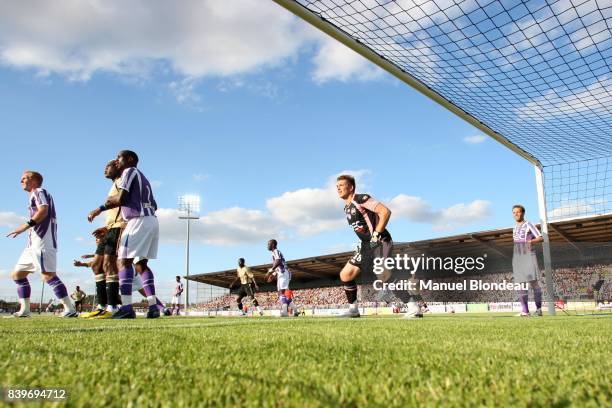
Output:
[[368, 218], [248, 286], [524, 260], [283, 277], [177, 297], [139, 240], [40, 255], [78, 295]]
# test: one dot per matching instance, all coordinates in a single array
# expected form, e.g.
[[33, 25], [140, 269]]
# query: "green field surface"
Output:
[[459, 360]]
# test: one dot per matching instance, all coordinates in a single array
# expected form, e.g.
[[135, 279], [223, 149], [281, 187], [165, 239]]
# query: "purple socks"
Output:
[[523, 297], [23, 288], [58, 287], [148, 282], [537, 294], [126, 279]]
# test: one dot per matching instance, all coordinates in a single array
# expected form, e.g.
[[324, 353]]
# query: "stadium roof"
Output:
[[496, 243], [533, 75]]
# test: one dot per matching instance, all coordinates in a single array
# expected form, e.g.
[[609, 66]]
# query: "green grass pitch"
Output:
[[459, 360]]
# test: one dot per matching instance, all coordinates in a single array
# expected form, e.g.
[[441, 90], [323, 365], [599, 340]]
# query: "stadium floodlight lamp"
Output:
[[189, 203], [189, 206]]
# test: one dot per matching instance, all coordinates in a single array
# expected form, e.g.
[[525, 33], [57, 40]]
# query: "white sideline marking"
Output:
[[232, 322]]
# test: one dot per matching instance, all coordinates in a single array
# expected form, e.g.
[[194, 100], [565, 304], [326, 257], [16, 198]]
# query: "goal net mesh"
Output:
[[536, 72]]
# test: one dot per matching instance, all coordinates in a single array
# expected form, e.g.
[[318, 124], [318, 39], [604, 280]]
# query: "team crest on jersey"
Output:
[[353, 211]]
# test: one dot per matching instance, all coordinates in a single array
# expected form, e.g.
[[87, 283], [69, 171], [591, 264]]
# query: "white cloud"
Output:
[[156, 183], [577, 208], [309, 210], [231, 226], [562, 101], [416, 209], [391, 29], [411, 208], [306, 212], [211, 38], [475, 139], [259, 87], [335, 61], [463, 214], [196, 38], [185, 92], [231, 84], [314, 210], [10, 219]]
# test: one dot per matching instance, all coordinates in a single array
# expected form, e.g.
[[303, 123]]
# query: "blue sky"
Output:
[[259, 143]]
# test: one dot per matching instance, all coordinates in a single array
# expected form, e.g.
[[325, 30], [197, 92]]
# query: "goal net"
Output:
[[534, 75]]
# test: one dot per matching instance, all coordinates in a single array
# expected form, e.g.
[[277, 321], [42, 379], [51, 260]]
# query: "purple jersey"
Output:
[[140, 201], [525, 232], [47, 228], [282, 266]]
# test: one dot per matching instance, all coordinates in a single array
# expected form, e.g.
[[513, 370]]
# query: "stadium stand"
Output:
[[571, 283], [581, 248]]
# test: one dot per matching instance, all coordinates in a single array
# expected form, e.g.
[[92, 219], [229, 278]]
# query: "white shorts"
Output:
[[525, 267], [283, 280], [137, 282], [37, 259], [140, 238], [177, 300]]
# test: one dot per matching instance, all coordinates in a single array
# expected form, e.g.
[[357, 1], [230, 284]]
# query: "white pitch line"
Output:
[[237, 322]]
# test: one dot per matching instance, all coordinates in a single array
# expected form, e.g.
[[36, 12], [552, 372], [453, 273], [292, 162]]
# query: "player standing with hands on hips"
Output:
[[524, 261]]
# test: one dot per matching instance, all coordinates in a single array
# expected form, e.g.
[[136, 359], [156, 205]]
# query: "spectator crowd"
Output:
[[572, 283]]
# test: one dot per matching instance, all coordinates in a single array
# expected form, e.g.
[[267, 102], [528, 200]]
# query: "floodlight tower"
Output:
[[189, 207]]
